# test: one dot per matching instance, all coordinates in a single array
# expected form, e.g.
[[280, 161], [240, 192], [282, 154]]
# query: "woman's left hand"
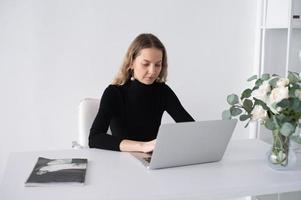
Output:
[[147, 147]]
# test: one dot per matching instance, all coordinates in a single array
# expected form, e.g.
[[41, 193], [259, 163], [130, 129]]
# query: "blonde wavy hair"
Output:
[[142, 41]]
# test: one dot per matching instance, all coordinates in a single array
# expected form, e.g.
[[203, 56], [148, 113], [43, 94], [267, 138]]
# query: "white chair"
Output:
[[88, 109]]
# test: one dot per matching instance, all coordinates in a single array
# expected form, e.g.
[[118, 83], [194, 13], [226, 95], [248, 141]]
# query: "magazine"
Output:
[[58, 171]]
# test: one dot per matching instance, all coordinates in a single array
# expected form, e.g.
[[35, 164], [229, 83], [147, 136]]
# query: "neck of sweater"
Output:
[[139, 87]]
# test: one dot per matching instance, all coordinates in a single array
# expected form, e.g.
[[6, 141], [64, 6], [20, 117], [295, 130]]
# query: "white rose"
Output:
[[298, 94], [282, 82], [261, 92], [258, 113], [278, 94]]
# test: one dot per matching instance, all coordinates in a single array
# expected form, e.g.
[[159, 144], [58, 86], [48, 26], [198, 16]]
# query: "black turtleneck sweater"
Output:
[[133, 111]]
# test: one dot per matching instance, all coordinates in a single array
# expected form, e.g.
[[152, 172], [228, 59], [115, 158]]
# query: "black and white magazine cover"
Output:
[[58, 171]]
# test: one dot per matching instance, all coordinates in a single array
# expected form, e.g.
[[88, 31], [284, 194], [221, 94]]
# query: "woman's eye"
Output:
[[158, 65], [145, 64]]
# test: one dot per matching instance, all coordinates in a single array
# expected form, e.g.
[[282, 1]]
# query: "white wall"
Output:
[[54, 53]]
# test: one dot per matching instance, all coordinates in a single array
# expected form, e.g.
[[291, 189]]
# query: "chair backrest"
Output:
[[88, 109]]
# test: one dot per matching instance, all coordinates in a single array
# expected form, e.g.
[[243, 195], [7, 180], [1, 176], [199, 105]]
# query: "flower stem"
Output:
[[280, 147]]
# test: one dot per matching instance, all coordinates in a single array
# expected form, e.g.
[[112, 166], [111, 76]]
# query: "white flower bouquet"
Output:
[[275, 102]]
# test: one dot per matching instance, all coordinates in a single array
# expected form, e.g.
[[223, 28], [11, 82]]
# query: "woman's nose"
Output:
[[152, 69]]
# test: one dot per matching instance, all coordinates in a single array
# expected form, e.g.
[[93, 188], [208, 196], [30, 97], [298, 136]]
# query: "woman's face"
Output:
[[147, 65]]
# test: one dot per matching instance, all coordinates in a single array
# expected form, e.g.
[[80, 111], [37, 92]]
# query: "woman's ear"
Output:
[[130, 68]]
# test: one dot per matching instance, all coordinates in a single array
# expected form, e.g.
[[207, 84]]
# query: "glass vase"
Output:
[[282, 155]]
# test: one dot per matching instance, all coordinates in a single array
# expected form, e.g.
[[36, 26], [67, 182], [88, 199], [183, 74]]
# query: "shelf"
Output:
[[280, 40], [264, 27], [278, 28]]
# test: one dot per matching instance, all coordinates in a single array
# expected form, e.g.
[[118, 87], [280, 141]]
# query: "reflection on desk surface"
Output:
[[296, 195], [280, 196]]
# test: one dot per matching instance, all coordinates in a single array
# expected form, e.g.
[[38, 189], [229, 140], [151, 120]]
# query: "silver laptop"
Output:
[[189, 143]]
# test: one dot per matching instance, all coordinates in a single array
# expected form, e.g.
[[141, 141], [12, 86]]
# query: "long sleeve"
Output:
[[98, 137], [133, 111], [174, 107]]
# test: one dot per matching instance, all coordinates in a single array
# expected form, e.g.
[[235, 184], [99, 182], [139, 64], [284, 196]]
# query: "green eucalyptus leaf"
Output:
[[284, 103], [235, 111], [252, 78], [295, 104], [259, 82], [293, 77], [270, 124], [265, 77], [255, 88], [295, 86], [287, 129], [281, 118], [260, 102], [246, 94], [226, 115], [298, 94], [296, 74], [244, 117], [273, 82], [232, 99], [292, 92], [248, 105]]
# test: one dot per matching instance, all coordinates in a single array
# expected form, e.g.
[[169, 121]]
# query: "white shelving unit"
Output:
[[280, 41], [279, 50]]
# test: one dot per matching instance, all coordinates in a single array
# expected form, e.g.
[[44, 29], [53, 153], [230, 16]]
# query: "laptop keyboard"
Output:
[[147, 159]]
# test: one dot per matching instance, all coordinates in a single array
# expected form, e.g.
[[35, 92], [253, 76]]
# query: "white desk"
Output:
[[115, 175]]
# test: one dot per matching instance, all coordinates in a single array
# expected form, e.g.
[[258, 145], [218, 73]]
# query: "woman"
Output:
[[134, 104]]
